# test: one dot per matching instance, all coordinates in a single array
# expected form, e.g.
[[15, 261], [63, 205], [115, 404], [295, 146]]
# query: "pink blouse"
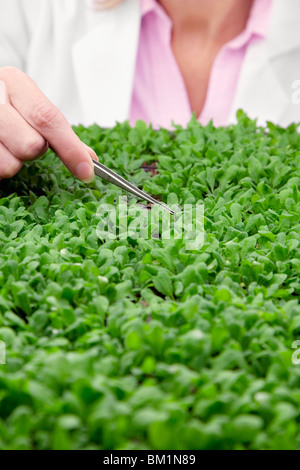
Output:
[[159, 93]]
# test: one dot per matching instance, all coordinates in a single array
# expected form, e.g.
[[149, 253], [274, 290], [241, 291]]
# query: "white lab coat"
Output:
[[84, 60]]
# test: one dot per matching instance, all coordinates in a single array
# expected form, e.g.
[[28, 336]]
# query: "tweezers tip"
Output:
[[166, 207]]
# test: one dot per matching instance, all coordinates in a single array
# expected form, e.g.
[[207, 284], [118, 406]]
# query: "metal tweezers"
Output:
[[112, 177]]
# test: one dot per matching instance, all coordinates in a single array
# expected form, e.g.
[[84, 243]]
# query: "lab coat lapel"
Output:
[[104, 64], [259, 90]]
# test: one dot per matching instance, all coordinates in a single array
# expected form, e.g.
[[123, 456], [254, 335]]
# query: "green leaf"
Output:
[[163, 283], [40, 208]]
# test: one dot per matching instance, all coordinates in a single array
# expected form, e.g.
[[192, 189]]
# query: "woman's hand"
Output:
[[30, 123]]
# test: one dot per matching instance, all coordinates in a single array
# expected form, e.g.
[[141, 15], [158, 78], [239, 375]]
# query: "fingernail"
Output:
[[85, 172], [91, 152], [95, 157], [3, 94]]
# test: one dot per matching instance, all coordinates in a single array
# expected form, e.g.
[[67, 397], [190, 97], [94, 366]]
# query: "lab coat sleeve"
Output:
[[14, 34]]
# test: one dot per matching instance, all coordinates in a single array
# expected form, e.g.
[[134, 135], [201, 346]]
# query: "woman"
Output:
[[159, 60]]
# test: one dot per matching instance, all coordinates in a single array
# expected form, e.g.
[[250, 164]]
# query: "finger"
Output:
[[9, 164], [48, 121], [18, 136]]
